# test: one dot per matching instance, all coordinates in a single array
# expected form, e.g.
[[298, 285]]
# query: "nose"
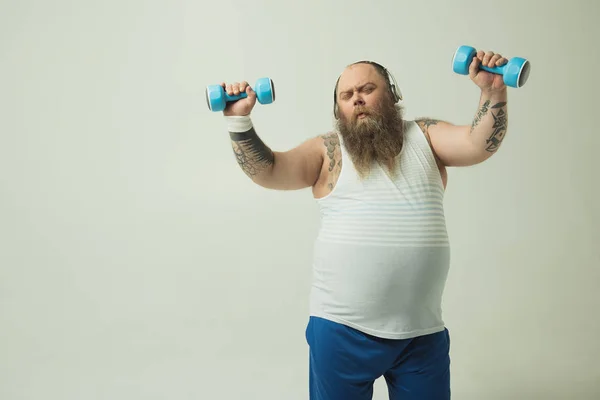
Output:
[[358, 101]]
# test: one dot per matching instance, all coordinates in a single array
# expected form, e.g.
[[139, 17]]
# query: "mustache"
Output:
[[362, 110]]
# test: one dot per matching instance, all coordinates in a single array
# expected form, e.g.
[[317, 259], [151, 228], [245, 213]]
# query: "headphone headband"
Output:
[[390, 80]]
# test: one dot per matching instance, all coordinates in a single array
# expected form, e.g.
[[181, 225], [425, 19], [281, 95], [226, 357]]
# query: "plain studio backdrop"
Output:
[[137, 261]]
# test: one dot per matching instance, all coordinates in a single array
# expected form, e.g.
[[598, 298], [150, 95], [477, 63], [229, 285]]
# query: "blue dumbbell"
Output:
[[515, 72], [217, 98]]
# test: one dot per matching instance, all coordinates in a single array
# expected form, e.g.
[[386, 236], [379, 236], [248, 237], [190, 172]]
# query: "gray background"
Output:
[[137, 261]]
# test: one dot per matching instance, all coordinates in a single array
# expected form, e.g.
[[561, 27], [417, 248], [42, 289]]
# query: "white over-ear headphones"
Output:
[[391, 81]]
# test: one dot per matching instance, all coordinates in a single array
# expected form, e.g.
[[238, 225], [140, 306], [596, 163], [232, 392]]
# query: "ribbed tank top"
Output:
[[382, 254]]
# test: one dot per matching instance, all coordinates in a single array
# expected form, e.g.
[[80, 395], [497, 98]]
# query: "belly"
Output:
[[362, 282]]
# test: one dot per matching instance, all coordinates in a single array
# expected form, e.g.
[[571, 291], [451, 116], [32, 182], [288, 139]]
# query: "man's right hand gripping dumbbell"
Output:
[[243, 106], [254, 157], [297, 168]]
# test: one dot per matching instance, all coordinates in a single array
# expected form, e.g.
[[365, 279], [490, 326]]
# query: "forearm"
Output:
[[490, 124], [253, 156]]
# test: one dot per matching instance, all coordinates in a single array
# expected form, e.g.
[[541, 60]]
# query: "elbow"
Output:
[[484, 149], [264, 178], [480, 155]]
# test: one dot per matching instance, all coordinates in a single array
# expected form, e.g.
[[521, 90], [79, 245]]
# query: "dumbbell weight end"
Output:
[[217, 98]]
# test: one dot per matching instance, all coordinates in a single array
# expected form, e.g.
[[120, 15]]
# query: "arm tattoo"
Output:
[[252, 154], [331, 141], [480, 114], [427, 122], [332, 144], [499, 127]]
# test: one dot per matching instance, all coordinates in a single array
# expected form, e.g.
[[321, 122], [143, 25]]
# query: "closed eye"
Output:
[[366, 89]]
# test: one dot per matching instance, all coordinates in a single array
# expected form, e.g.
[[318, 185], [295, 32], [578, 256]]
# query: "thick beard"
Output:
[[376, 138]]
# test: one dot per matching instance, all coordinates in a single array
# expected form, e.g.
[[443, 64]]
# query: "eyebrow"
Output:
[[357, 87]]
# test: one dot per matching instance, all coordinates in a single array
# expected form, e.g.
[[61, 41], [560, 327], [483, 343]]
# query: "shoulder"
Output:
[[327, 147], [332, 163], [425, 124], [323, 141], [434, 129], [332, 150], [330, 138], [330, 141]]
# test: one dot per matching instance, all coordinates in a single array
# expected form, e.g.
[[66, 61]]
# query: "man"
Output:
[[382, 253]]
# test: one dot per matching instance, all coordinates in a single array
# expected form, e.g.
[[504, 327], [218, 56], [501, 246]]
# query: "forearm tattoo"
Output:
[[251, 153], [499, 127], [480, 114]]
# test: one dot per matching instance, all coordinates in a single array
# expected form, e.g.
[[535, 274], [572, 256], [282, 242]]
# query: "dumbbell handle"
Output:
[[494, 70], [234, 97]]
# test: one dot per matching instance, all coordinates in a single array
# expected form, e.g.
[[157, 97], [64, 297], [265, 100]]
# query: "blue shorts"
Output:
[[344, 364]]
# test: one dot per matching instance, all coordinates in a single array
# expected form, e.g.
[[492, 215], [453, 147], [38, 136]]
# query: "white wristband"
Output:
[[238, 123]]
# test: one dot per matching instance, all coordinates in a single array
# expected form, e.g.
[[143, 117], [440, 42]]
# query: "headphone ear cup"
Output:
[[335, 106], [394, 87], [395, 90]]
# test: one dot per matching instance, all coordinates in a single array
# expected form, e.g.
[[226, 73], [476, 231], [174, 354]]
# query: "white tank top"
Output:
[[382, 253]]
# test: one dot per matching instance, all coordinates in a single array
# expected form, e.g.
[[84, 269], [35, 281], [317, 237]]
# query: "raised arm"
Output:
[[465, 145], [297, 168]]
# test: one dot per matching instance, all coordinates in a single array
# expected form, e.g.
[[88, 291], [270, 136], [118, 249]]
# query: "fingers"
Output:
[[242, 87], [235, 88], [490, 59], [250, 92], [487, 58], [474, 67], [497, 60]]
